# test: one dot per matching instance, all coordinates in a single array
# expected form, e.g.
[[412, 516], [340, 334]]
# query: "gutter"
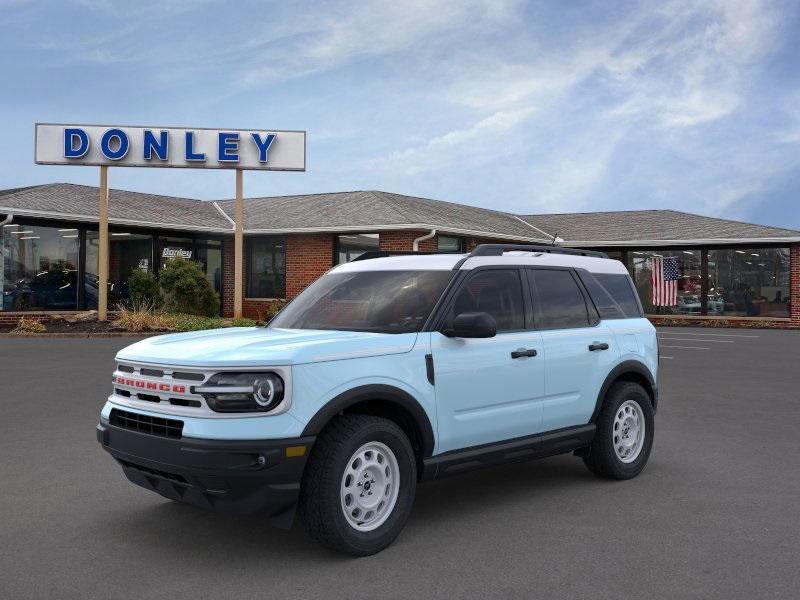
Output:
[[686, 242], [427, 236]]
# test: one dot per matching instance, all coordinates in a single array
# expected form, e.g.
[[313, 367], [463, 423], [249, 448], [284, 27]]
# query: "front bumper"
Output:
[[241, 477]]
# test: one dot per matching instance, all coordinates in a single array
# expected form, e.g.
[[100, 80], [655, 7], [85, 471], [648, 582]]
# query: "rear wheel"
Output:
[[624, 435], [359, 485]]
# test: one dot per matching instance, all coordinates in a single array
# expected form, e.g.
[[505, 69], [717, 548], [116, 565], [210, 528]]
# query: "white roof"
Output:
[[446, 262]]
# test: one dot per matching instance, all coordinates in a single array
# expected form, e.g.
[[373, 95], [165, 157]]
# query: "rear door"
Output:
[[579, 350], [489, 389]]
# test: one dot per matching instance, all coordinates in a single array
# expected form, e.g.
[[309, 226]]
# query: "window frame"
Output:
[[592, 316], [248, 270], [438, 320]]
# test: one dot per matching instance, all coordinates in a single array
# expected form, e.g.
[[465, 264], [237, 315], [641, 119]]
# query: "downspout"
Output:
[[427, 236], [7, 220]]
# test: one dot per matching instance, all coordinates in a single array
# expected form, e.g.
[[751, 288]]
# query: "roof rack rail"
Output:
[[499, 249], [385, 253]]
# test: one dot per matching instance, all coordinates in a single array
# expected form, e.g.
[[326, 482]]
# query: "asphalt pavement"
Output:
[[716, 513]]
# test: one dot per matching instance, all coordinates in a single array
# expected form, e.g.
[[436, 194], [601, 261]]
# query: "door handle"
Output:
[[598, 346], [522, 353]]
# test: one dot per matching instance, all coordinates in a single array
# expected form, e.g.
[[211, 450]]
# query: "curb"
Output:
[[82, 335]]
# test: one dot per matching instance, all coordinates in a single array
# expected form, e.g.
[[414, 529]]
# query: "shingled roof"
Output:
[[636, 227], [79, 203], [374, 210], [364, 211]]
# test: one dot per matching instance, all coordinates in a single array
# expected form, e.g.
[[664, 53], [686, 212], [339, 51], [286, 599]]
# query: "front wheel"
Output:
[[359, 485], [624, 436]]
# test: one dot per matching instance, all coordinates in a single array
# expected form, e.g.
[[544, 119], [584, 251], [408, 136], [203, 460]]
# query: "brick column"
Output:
[[227, 277], [794, 283]]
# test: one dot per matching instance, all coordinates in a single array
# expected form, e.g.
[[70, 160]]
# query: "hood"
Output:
[[261, 346]]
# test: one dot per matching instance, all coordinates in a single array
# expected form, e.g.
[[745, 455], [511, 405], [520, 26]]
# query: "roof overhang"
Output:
[[683, 242]]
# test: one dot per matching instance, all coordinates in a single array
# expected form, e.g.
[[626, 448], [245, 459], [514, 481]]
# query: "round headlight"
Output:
[[264, 392]]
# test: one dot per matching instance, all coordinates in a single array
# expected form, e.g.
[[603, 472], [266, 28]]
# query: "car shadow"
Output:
[[204, 537]]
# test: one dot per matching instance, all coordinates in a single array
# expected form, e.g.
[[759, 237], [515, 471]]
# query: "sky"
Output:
[[528, 107]]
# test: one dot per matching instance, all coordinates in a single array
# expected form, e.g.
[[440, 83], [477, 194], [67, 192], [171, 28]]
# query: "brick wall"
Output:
[[404, 241], [308, 256], [794, 284]]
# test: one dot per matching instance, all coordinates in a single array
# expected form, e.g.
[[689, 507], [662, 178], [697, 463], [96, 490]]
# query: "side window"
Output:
[[498, 293], [620, 289], [606, 305], [560, 300]]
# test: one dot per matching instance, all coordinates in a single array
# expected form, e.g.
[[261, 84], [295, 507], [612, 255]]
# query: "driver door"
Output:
[[483, 393]]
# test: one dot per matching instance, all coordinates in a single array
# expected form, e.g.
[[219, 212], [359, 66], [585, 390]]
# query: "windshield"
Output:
[[375, 301]]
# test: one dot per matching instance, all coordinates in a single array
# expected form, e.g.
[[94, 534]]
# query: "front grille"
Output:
[[168, 428]]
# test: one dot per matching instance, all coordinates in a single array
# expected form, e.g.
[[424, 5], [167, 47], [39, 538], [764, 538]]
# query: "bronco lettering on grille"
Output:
[[150, 385]]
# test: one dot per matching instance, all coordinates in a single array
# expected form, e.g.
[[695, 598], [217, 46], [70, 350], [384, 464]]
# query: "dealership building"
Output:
[[741, 273]]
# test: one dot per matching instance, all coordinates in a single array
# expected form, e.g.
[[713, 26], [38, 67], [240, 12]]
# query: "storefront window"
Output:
[[266, 267], [128, 252], [39, 268], [668, 281], [209, 255], [450, 244], [747, 282], [353, 246]]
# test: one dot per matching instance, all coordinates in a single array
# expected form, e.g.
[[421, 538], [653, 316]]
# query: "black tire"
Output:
[[320, 505], [601, 458]]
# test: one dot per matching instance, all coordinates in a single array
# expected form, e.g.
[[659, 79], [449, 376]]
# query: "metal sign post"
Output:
[[176, 147]]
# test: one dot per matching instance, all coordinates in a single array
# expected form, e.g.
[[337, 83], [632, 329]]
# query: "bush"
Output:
[[140, 317], [143, 289], [186, 290], [243, 322], [26, 325]]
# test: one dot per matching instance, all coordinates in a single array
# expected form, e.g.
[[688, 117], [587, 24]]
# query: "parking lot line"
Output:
[[662, 356], [671, 339], [688, 347], [737, 335]]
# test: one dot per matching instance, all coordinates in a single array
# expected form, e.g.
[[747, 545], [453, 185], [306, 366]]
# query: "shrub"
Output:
[[26, 325], [186, 290], [243, 322], [143, 289], [183, 322], [141, 317]]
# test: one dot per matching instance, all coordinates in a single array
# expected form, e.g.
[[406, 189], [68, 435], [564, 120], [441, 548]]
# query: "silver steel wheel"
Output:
[[629, 431], [370, 485]]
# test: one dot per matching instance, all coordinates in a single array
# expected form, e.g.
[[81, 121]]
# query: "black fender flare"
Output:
[[385, 393], [629, 366]]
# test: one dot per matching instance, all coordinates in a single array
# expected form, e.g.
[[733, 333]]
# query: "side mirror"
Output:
[[473, 325]]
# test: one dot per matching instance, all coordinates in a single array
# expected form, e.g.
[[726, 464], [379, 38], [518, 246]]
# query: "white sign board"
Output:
[[189, 148]]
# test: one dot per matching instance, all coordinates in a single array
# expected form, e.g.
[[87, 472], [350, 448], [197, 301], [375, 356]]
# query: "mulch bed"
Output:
[[87, 327]]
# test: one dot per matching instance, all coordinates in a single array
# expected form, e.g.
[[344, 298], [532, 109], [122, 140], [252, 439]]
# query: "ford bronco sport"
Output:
[[385, 372]]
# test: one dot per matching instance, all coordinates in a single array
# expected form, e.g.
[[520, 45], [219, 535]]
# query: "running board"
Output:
[[540, 445]]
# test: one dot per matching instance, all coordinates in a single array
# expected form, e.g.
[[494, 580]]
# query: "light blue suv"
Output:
[[387, 371]]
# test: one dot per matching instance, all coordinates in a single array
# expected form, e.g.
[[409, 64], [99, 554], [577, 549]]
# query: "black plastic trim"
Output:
[[366, 393], [240, 477], [539, 445], [429, 369], [628, 366], [499, 249]]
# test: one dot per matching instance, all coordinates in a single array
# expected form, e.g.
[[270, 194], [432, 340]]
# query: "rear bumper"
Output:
[[241, 477]]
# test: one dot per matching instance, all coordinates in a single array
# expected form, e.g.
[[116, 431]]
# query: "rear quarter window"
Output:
[[613, 295]]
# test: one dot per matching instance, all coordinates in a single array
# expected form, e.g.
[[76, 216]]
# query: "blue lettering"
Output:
[[70, 137], [122, 144], [228, 142], [159, 146], [190, 153], [263, 145]]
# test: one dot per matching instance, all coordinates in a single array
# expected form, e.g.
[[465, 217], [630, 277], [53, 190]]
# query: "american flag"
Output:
[[665, 280]]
